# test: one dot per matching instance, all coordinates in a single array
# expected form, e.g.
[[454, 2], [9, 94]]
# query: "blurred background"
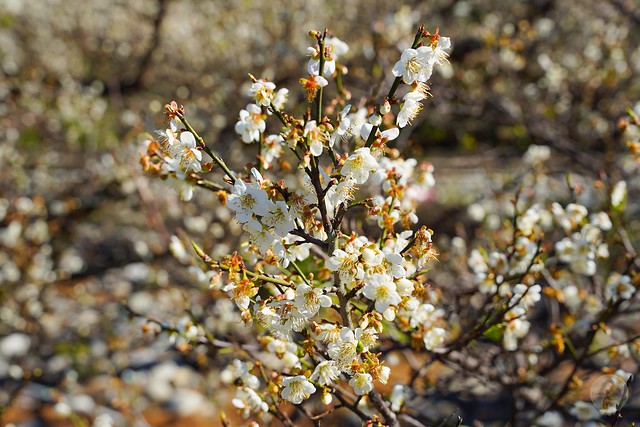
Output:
[[83, 231]]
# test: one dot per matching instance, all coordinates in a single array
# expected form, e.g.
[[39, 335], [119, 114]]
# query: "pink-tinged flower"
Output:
[[296, 389]]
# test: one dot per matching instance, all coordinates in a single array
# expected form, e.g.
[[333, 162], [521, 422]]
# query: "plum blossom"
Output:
[[359, 165], [344, 127], [619, 195], [309, 300], [296, 389], [250, 124], [185, 155], [260, 235], [515, 329], [344, 263], [382, 289], [248, 400], [317, 137], [314, 63], [241, 292], [238, 370], [434, 338], [280, 218], [570, 217], [344, 351], [619, 287], [362, 383], [262, 92], [272, 149], [338, 47], [411, 106], [280, 99], [414, 65], [247, 199], [440, 52], [325, 373]]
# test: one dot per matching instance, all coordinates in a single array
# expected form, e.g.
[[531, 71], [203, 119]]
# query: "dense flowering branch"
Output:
[[336, 293]]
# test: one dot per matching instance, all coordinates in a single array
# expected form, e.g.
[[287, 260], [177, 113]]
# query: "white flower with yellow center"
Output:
[[440, 54], [328, 333], [316, 136], [359, 165], [248, 400], [434, 338], [262, 92], [361, 383], [250, 124], [309, 300], [296, 389], [259, 234], [325, 373], [246, 200], [185, 155], [344, 263], [381, 289], [414, 65], [344, 351], [411, 106], [619, 287], [280, 218]]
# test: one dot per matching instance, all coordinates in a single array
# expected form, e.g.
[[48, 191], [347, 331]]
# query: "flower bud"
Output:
[[375, 119], [326, 398], [385, 108]]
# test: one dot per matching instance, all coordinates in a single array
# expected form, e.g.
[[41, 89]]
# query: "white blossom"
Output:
[[359, 165], [362, 383], [381, 289], [250, 124], [296, 389], [247, 200], [414, 65], [325, 373]]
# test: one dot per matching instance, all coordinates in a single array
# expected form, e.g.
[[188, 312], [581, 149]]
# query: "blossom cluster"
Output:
[[334, 268]]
